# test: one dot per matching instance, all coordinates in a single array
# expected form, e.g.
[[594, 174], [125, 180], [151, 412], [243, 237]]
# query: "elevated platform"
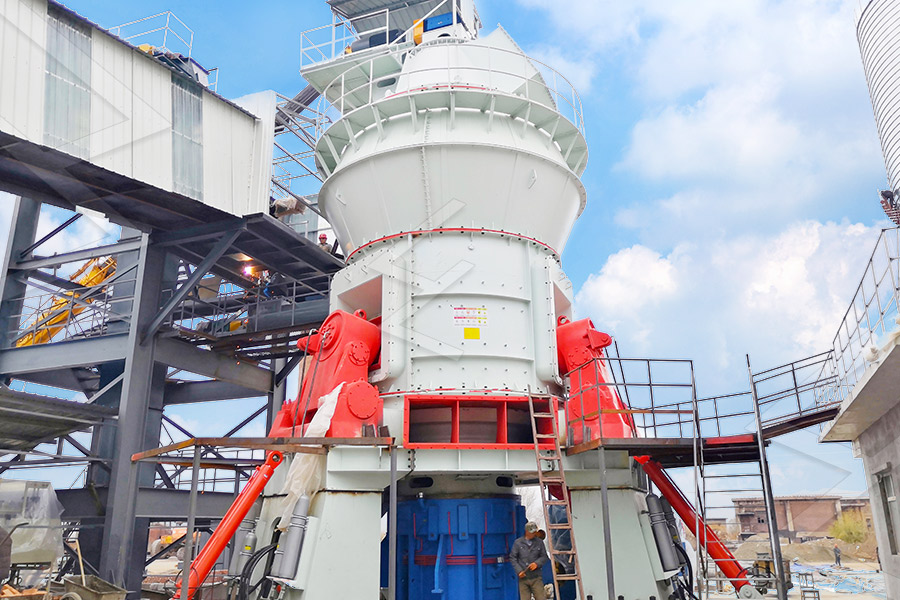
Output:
[[35, 171], [873, 397], [680, 452], [27, 420]]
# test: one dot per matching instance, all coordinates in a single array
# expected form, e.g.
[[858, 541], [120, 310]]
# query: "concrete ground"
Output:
[[863, 570]]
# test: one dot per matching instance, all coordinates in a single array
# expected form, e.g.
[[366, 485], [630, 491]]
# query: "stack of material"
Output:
[[8, 591]]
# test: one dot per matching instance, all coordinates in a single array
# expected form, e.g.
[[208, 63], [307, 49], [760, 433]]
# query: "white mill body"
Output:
[[453, 199], [452, 181]]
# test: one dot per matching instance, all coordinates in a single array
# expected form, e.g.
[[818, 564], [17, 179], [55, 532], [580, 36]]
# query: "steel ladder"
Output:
[[548, 453]]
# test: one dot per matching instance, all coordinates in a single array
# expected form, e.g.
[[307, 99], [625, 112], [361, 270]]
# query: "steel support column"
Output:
[[769, 499], [119, 541], [22, 232], [279, 391]]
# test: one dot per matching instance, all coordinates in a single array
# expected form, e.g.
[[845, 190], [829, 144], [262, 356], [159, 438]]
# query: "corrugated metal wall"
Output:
[[130, 114], [23, 49], [878, 33]]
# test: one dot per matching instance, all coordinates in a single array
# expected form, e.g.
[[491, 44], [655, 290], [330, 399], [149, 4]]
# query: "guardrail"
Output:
[[506, 72], [871, 317]]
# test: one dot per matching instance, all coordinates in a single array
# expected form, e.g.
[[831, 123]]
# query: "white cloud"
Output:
[[579, 71], [780, 296]]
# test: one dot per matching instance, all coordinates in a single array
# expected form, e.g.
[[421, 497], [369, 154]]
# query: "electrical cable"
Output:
[[302, 378], [688, 573], [244, 589]]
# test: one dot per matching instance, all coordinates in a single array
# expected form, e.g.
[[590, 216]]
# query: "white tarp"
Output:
[[32, 505], [307, 472]]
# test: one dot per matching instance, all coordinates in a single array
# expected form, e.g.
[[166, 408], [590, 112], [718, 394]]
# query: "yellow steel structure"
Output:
[[63, 306]]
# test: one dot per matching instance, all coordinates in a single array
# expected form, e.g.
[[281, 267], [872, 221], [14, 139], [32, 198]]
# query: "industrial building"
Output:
[[800, 517], [442, 377]]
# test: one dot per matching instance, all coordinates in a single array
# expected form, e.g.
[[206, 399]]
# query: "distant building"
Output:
[[799, 517]]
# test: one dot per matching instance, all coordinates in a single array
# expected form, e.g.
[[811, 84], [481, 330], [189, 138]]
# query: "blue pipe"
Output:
[[437, 568]]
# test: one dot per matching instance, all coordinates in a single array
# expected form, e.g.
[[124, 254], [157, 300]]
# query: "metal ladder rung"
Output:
[[556, 476]]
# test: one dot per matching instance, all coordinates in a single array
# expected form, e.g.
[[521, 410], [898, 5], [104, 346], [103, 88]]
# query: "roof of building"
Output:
[[832, 498]]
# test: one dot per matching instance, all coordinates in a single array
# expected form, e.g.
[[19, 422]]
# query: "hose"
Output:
[[688, 574], [244, 589]]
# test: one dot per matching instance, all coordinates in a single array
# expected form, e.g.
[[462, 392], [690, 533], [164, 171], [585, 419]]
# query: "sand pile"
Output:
[[813, 552]]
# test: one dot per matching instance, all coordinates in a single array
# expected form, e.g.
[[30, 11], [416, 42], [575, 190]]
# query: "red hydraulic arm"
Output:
[[725, 560], [580, 352], [207, 558]]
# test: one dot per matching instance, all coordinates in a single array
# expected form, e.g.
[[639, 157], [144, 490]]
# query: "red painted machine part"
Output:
[[580, 352], [724, 558], [342, 352], [211, 552]]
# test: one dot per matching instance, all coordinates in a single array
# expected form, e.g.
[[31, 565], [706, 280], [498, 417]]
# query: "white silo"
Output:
[[878, 33]]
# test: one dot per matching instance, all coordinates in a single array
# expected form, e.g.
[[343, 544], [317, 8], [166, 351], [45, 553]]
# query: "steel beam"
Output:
[[156, 504], [50, 235], [200, 232], [63, 355], [188, 357], [206, 391], [190, 283], [128, 245]]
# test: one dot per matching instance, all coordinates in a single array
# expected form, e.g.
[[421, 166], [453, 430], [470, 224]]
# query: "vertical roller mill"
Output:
[[451, 166]]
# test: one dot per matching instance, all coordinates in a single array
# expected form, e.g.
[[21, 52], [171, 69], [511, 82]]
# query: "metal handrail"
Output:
[[342, 104]]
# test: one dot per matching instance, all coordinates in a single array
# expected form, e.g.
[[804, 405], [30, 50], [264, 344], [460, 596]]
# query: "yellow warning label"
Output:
[[471, 333]]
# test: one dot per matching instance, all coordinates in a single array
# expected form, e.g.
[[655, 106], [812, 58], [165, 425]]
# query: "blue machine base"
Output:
[[456, 549]]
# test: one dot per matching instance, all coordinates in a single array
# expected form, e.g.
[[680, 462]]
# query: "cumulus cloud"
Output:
[[780, 296]]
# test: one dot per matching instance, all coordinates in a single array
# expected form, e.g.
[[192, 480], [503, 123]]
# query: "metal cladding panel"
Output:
[[112, 97], [151, 122], [878, 33], [237, 154], [23, 41], [218, 173]]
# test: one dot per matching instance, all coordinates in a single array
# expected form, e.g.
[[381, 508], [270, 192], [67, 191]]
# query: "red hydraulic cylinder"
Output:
[[211, 552], [724, 558]]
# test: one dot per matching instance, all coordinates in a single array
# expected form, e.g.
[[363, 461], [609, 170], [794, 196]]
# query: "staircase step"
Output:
[[559, 526], [543, 414], [567, 577], [545, 436], [555, 502]]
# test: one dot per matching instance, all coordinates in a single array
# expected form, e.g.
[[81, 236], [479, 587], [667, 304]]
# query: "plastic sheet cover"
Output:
[[34, 508], [307, 472]]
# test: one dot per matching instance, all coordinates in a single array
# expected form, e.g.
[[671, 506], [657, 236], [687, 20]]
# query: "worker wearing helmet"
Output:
[[323, 243]]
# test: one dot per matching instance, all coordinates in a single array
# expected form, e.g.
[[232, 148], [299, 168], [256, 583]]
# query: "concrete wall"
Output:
[[131, 113], [880, 449]]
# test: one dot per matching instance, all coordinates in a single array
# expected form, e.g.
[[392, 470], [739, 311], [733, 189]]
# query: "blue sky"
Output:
[[731, 182]]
